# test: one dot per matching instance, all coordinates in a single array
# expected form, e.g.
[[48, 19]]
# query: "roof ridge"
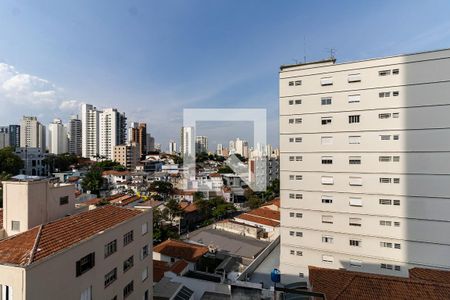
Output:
[[345, 287], [36, 242]]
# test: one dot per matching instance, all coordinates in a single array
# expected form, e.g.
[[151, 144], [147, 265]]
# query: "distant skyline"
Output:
[[152, 59]]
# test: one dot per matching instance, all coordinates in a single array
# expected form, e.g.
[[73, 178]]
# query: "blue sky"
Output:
[[151, 59]]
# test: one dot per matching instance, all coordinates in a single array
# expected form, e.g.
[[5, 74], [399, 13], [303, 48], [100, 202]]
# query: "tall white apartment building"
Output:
[[364, 173], [90, 130], [112, 131], [57, 138], [74, 131], [219, 149], [187, 141], [241, 147], [32, 133], [172, 147]]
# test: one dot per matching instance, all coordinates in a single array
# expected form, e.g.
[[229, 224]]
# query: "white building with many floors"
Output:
[[364, 165]]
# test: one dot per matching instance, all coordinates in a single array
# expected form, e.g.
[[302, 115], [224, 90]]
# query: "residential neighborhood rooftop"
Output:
[[45, 240], [343, 284], [179, 249]]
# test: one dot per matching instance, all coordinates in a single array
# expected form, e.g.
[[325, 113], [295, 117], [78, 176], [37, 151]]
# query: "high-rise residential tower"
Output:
[[32, 133], [137, 133], [14, 136], [74, 130], [90, 131], [112, 125], [4, 136], [57, 138], [364, 183], [187, 141], [201, 144], [172, 147]]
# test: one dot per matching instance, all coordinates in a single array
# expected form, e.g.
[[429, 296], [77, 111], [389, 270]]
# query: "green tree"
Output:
[[107, 165], [225, 170], [10, 163], [163, 188], [60, 162], [173, 208], [93, 180]]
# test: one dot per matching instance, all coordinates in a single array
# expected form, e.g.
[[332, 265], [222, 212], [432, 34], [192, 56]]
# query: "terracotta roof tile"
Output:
[[61, 234], [181, 250], [343, 284], [265, 213], [179, 266], [188, 207], [115, 173], [256, 219], [439, 276], [160, 267]]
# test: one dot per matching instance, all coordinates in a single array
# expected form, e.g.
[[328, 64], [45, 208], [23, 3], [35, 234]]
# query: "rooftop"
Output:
[[233, 244], [343, 284], [182, 250], [43, 241], [160, 267]]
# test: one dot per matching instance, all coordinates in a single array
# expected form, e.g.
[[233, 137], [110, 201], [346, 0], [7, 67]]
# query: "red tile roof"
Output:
[[275, 202], [115, 173], [256, 219], [188, 207], [124, 200], [160, 267], [439, 276], [46, 240], [265, 213], [181, 250], [343, 284]]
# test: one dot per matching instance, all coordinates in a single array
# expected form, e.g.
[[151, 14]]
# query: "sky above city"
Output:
[[151, 59]]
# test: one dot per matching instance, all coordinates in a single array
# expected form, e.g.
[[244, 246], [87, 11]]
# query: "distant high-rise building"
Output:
[[57, 138], [241, 147], [219, 150], [187, 141], [90, 131], [137, 133], [231, 147], [4, 136], [32, 133], [172, 147], [74, 130], [150, 142], [112, 125], [201, 144], [14, 136]]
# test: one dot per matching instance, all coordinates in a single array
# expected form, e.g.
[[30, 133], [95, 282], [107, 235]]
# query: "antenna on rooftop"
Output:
[[304, 49], [332, 52]]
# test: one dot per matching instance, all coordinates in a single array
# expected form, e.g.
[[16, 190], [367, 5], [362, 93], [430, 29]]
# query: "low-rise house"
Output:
[[174, 250], [117, 180], [266, 217], [51, 251], [180, 267]]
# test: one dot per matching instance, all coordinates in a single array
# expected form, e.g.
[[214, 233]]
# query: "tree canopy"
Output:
[[10, 163]]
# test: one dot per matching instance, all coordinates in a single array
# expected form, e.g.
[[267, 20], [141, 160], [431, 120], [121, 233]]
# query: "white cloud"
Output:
[[70, 105], [30, 94]]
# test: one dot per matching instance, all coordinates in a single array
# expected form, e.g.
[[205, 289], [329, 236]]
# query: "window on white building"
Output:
[[355, 181], [355, 243], [327, 258], [354, 98], [325, 101], [327, 160], [354, 160], [327, 199], [327, 219], [327, 180], [327, 239], [354, 139], [355, 263], [326, 120], [353, 119], [356, 77], [355, 222], [326, 140], [324, 81], [354, 201]]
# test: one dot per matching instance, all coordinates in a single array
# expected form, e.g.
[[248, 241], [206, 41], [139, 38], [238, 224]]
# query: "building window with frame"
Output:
[[353, 119], [325, 101], [64, 200], [110, 277], [355, 243], [128, 289], [85, 263], [128, 263], [110, 248], [326, 120], [128, 238]]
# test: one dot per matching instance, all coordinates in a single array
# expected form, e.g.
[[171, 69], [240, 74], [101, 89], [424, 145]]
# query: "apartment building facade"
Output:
[[127, 155], [364, 183], [74, 131], [90, 130], [112, 131], [137, 133], [50, 250], [57, 138], [32, 133]]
